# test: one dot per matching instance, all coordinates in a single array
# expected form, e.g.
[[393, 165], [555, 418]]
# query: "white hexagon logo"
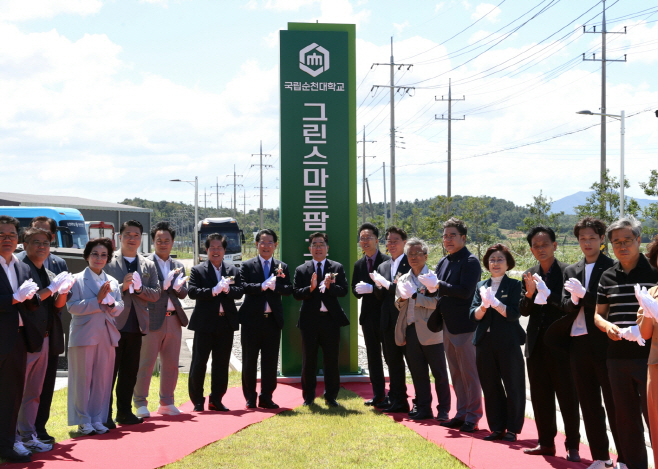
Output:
[[314, 59]]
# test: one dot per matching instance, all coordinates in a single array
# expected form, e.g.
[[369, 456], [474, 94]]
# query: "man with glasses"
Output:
[[371, 309], [265, 280], [318, 284], [628, 352]]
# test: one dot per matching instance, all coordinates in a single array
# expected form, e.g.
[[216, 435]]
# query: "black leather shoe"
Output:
[[469, 427], [509, 436], [110, 424], [268, 405], [250, 405], [540, 450], [494, 436], [128, 419], [452, 423], [442, 417], [374, 401], [217, 406], [44, 437], [331, 402], [384, 404], [397, 406], [422, 415], [309, 402], [12, 456], [573, 455], [197, 408]]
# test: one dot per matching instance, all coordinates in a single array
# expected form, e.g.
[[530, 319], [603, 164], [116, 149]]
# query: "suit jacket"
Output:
[[558, 334], [253, 306], [542, 316], [390, 312], [56, 264], [150, 289], [423, 306], [205, 316], [371, 305], [506, 332], [310, 309], [158, 309], [90, 320]]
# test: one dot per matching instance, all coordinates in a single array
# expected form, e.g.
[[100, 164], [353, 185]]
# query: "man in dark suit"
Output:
[[264, 280], [318, 284], [587, 346], [15, 293], [549, 372], [215, 285], [371, 308], [390, 271], [56, 265]]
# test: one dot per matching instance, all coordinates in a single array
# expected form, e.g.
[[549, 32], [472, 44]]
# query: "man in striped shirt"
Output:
[[616, 314]]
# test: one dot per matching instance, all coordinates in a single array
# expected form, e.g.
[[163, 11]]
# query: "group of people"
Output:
[[588, 340]]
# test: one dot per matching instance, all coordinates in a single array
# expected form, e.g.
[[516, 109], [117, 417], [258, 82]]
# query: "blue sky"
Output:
[[131, 94]]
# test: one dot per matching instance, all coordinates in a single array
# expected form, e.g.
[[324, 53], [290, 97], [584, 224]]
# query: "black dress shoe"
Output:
[[540, 450], [44, 437], [384, 404], [452, 423], [509, 436], [268, 405], [197, 408], [217, 406], [128, 419], [12, 456], [442, 417], [497, 435], [110, 424], [469, 427], [250, 405], [397, 406], [309, 402], [422, 415], [331, 402], [573, 455], [374, 401]]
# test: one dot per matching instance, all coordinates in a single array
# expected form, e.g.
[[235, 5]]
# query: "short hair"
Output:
[[589, 222], [454, 222], [50, 221], [267, 231], [218, 237], [627, 222], [32, 232], [317, 234], [134, 223], [652, 252], [416, 242], [106, 242], [500, 248], [535, 230], [163, 226], [371, 227], [395, 229], [7, 220]]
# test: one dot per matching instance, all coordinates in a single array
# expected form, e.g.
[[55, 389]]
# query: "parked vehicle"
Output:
[[100, 229], [71, 232], [228, 227]]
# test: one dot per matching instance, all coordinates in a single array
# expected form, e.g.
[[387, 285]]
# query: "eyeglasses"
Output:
[[365, 240], [268, 244], [10, 236], [450, 236], [413, 255], [40, 244], [98, 255], [497, 260], [318, 245], [625, 243]]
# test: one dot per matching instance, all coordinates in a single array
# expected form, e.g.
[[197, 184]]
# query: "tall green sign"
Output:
[[318, 166]]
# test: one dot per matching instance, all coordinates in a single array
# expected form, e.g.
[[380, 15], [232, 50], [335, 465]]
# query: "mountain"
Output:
[[567, 204]]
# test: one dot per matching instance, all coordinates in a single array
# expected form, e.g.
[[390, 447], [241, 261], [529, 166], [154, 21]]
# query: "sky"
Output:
[[110, 99]]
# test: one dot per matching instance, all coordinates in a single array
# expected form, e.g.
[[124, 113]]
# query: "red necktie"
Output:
[[369, 265]]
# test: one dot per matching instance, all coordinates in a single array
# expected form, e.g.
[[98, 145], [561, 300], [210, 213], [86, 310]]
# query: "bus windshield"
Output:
[[78, 232], [232, 241]]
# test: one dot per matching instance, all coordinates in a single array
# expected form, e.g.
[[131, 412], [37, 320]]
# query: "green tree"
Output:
[[540, 214], [431, 226], [650, 212], [475, 213], [604, 201]]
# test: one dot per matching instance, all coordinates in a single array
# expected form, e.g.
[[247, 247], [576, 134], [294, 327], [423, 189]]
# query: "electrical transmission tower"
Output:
[[235, 193], [364, 141], [260, 226]]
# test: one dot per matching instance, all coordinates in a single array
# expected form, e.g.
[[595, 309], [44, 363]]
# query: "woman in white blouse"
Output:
[[94, 303]]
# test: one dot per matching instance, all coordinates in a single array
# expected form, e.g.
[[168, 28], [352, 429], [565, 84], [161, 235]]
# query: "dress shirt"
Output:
[[100, 279], [218, 274], [262, 263], [579, 326], [165, 268], [10, 270], [371, 264], [395, 263], [323, 308]]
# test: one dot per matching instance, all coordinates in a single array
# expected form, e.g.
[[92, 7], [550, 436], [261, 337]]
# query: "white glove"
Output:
[[26, 291], [633, 334], [219, 288], [485, 297], [406, 290], [322, 287], [380, 280], [542, 290], [430, 281], [491, 296], [363, 288], [108, 300], [576, 289], [179, 282], [649, 304], [269, 283], [137, 281], [167, 281], [57, 282], [66, 285]]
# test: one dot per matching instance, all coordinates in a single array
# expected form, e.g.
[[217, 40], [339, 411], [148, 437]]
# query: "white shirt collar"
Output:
[[315, 264], [262, 260], [100, 279], [14, 259]]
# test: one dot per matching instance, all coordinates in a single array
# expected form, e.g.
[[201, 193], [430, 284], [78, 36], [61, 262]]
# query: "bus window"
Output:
[[78, 233]]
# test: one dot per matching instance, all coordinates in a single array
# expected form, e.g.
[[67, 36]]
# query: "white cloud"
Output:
[[287, 5], [491, 12], [162, 3], [466, 4], [439, 7], [22, 10], [399, 27]]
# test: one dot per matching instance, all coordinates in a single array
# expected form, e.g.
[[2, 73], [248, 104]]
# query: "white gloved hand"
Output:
[[167, 281], [650, 304], [219, 288], [269, 283], [227, 285], [66, 285], [380, 280], [541, 286], [485, 297], [109, 299], [26, 291], [322, 287], [491, 296], [406, 290], [363, 288], [137, 281], [638, 295], [430, 281], [179, 282], [57, 282], [576, 289], [632, 334]]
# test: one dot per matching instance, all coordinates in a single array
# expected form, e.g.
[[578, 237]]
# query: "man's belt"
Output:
[[170, 313]]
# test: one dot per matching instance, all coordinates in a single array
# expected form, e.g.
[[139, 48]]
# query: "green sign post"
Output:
[[318, 166]]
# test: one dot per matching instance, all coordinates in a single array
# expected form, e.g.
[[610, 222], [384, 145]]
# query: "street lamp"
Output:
[[196, 215], [622, 118]]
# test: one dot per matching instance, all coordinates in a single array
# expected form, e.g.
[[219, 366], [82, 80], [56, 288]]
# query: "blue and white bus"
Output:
[[71, 231]]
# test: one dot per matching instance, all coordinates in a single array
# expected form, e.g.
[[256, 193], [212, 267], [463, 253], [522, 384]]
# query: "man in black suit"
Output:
[[318, 284], [264, 280], [215, 285], [371, 308], [16, 292], [390, 271], [587, 346], [549, 372]]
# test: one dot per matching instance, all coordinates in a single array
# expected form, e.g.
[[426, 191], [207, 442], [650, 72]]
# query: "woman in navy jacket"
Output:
[[498, 339]]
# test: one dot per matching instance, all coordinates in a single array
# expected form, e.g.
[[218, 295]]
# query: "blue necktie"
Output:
[[266, 269]]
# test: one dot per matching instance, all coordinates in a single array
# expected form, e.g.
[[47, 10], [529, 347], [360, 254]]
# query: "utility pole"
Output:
[[364, 141], [449, 119], [603, 61], [260, 226], [392, 87], [385, 211], [372, 214], [235, 193], [217, 186], [244, 207]]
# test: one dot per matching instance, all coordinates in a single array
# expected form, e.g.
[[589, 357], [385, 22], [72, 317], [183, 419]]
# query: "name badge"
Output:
[[503, 296]]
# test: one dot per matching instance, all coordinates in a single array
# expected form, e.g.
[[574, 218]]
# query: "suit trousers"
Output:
[[397, 372], [166, 343], [460, 353], [502, 376], [126, 366], [628, 380], [264, 339], [419, 357], [35, 372], [46, 399], [324, 334], [90, 382], [219, 344], [373, 337], [12, 376], [652, 405], [590, 375], [550, 377]]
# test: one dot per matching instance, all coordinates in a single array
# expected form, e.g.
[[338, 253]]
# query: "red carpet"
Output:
[[476, 453], [162, 440]]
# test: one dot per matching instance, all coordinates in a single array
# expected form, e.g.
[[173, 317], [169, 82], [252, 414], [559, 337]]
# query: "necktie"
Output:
[[320, 278], [369, 265], [266, 269]]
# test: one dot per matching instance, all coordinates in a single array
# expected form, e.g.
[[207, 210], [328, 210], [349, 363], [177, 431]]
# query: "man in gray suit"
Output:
[[166, 319], [138, 280]]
